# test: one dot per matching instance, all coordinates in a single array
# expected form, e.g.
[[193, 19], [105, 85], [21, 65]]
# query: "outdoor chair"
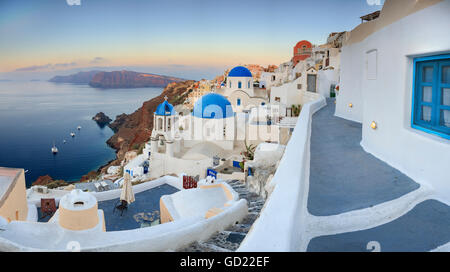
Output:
[[121, 205], [98, 187], [104, 185], [48, 207]]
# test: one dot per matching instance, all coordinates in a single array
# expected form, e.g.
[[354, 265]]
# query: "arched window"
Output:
[[239, 85], [238, 102], [160, 123], [230, 83]]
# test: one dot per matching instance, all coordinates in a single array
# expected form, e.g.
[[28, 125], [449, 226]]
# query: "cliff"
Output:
[[78, 78], [49, 182], [130, 79], [133, 130]]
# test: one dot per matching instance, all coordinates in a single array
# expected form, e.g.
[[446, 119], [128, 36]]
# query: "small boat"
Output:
[[79, 127], [54, 149], [72, 134], [64, 141]]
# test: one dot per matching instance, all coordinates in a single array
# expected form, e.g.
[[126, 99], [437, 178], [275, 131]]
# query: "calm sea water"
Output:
[[33, 115]]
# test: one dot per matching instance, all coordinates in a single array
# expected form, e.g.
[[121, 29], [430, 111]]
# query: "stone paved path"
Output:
[[230, 239], [343, 177]]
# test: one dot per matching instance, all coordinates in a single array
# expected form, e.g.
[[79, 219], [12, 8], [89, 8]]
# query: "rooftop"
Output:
[[371, 16], [212, 106], [165, 108], [8, 177], [240, 71], [143, 212]]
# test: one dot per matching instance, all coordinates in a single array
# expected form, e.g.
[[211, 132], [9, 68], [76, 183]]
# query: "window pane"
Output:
[[427, 94], [427, 75], [426, 113], [445, 118], [446, 74], [446, 96]]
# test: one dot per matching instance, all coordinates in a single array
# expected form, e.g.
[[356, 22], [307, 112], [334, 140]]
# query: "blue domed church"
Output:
[[213, 106], [240, 92]]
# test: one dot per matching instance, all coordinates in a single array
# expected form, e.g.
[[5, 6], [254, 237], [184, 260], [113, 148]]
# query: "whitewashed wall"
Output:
[[279, 225], [325, 78], [387, 99]]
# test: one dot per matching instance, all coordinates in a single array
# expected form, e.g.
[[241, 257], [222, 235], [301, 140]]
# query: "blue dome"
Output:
[[165, 109], [213, 106], [240, 71]]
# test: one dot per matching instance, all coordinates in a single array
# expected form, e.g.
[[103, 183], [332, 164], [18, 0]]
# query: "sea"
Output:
[[34, 115]]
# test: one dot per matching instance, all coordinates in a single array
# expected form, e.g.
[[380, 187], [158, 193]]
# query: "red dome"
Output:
[[302, 51]]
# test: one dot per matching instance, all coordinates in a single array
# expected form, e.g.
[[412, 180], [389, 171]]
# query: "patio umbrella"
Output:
[[127, 190]]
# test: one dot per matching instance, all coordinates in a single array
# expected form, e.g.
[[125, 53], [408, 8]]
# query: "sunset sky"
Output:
[[46, 37]]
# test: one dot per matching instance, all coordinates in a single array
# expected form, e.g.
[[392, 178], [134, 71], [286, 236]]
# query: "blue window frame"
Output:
[[238, 102], [239, 85], [431, 95]]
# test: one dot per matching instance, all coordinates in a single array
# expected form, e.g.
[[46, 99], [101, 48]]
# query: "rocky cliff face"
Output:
[[129, 79], [133, 130], [49, 182]]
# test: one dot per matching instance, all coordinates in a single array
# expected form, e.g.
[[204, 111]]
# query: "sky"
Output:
[[187, 38]]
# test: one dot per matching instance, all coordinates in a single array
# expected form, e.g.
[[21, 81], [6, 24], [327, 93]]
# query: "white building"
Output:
[[395, 80], [239, 90]]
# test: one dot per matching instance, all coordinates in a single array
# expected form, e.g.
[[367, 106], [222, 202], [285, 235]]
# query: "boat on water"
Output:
[[54, 149], [72, 134], [64, 141], [79, 127]]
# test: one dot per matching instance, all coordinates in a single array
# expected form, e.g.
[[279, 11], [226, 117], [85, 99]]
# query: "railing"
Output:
[[279, 225]]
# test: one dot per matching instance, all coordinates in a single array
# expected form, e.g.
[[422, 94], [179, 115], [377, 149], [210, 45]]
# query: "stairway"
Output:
[[229, 240], [288, 122]]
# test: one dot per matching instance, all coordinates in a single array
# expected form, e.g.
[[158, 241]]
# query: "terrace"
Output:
[[331, 195], [144, 212], [345, 178]]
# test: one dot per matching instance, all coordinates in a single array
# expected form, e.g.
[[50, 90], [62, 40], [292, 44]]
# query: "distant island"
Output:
[[117, 79], [78, 78]]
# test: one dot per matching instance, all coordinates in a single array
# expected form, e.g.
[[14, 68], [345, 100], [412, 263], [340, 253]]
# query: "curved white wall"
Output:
[[279, 225]]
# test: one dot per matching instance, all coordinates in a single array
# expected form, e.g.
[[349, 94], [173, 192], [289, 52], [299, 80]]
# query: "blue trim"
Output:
[[212, 173], [433, 127], [236, 164], [430, 131]]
